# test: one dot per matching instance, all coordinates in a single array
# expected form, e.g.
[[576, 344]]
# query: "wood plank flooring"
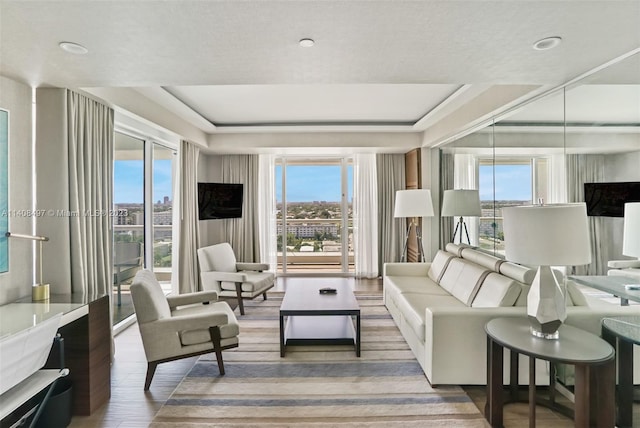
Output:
[[131, 407]]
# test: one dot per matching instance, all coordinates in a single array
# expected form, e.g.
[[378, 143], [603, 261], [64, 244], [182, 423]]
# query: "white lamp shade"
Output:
[[547, 235], [413, 203], [631, 238], [461, 203]]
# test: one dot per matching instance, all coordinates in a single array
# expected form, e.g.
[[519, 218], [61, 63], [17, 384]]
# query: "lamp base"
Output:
[[40, 292], [543, 335], [545, 305]]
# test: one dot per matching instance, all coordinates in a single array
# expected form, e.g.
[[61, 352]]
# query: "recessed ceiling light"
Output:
[[547, 43], [307, 43], [73, 48]]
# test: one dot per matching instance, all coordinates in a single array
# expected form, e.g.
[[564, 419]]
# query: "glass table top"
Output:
[[626, 327]]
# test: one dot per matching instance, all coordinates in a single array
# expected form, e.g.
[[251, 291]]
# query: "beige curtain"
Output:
[[365, 215], [188, 243], [243, 233], [588, 169], [447, 167], [391, 177], [90, 153]]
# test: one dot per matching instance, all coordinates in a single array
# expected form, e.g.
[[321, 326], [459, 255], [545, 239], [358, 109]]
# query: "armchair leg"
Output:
[[215, 338], [264, 295], [151, 369], [239, 294]]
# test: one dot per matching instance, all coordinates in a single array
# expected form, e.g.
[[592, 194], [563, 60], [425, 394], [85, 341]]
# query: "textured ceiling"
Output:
[[239, 62]]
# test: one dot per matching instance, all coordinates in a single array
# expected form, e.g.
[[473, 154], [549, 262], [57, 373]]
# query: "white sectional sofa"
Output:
[[441, 309]]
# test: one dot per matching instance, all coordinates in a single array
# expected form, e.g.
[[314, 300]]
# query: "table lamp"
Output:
[[413, 203], [631, 237], [544, 236], [460, 203], [40, 291]]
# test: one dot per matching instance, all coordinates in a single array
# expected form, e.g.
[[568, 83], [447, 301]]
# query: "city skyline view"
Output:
[[128, 181]]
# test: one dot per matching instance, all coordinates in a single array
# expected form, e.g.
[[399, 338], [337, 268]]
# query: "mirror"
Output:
[[544, 150]]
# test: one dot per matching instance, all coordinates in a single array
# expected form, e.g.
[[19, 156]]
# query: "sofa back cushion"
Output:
[[456, 249], [462, 279], [518, 272], [438, 265], [497, 290], [482, 259]]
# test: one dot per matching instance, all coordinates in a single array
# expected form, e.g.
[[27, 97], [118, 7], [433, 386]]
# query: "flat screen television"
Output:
[[608, 199], [219, 200]]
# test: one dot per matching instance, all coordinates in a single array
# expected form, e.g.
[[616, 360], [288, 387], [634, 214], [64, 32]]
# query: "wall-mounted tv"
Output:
[[219, 200], [608, 199]]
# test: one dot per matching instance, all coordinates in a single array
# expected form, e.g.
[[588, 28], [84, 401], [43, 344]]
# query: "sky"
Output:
[[128, 181], [312, 183], [512, 182]]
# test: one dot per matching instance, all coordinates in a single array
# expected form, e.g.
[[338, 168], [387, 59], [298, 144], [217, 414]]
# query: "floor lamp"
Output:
[[411, 204], [460, 203]]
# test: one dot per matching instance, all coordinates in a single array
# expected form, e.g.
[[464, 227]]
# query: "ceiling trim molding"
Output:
[[165, 98]]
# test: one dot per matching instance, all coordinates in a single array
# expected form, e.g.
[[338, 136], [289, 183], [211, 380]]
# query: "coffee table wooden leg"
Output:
[[495, 359]]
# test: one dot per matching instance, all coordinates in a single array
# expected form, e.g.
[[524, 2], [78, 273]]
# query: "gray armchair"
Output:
[[220, 272], [175, 327]]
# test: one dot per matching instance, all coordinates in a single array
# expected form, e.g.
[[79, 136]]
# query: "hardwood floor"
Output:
[[131, 407]]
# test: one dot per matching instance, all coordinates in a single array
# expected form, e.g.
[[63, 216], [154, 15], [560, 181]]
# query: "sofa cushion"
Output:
[[518, 272], [482, 259], [575, 295], [194, 337], [414, 305], [497, 290], [462, 279], [524, 293], [439, 264], [414, 284]]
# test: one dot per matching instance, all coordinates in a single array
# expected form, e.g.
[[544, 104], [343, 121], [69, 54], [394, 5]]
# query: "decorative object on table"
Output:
[[411, 204], [544, 236], [328, 290], [40, 291], [461, 203]]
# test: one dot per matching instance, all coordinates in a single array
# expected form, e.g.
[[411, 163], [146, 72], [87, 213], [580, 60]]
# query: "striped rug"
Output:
[[315, 386]]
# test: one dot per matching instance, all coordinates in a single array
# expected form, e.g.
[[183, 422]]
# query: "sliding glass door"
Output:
[[314, 215], [143, 188]]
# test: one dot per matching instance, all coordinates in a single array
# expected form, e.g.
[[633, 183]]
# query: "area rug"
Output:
[[315, 386]]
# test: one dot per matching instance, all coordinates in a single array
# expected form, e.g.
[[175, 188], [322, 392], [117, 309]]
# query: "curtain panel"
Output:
[[90, 139], [267, 211], [365, 215], [582, 169], [243, 234], [390, 170], [188, 241], [446, 183]]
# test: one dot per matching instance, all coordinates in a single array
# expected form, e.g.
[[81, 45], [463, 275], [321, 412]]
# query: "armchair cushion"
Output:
[[228, 329], [218, 258], [254, 281]]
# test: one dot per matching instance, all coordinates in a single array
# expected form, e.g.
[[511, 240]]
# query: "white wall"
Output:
[[16, 97]]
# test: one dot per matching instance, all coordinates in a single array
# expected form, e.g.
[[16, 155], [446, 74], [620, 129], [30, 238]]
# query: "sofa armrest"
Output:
[[454, 336], [406, 269], [223, 276], [252, 266], [191, 298], [623, 264]]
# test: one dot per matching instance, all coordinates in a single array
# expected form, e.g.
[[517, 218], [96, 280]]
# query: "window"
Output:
[[508, 182]]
